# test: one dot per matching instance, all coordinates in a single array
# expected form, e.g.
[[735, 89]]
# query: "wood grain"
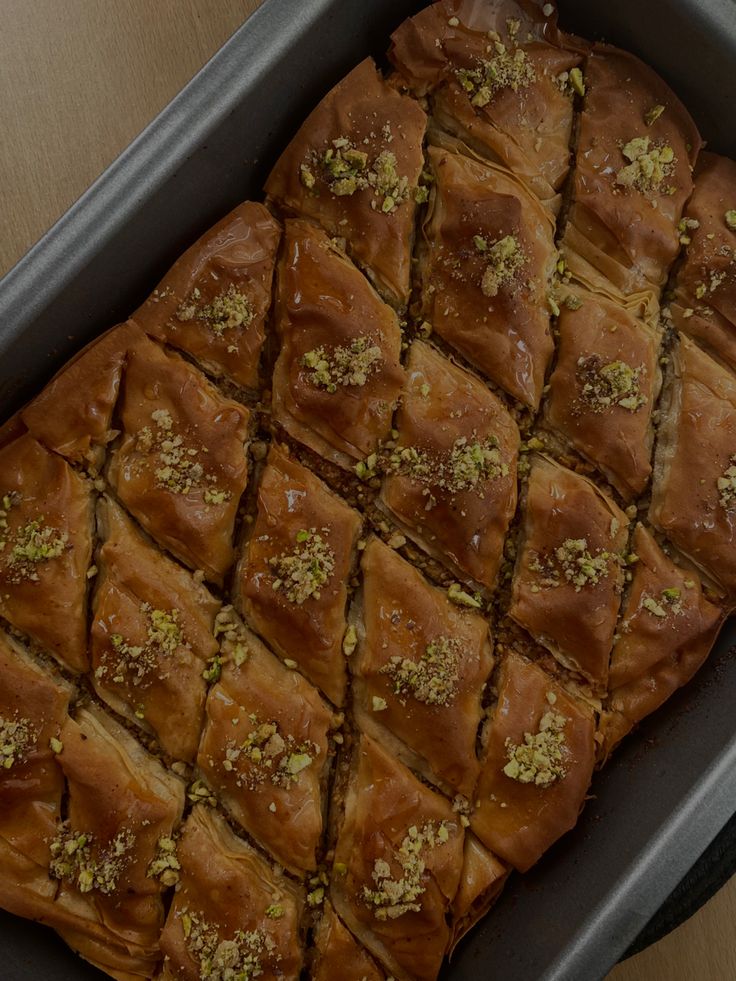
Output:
[[79, 79]]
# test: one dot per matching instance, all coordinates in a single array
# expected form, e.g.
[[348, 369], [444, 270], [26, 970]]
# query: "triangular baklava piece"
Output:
[[338, 954]]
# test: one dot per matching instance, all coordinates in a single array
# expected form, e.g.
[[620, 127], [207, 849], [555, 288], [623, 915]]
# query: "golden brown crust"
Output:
[[378, 227], [151, 636], [342, 419], [604, 388], [419, 670], [264, 751], [620, 231], [181, 467], [122, 802], [568, 577], [525, 126], [230, 910], [214, 300], [395, 871], [665, 634], [471, 294], [73, 414], [482, 881], [46, 549], [461, 504], [695, 449], [704, 304], [519, 821], [338, 953], [303, 617]]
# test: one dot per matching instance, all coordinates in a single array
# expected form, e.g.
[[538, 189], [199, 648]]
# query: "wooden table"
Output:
[[78, 80]]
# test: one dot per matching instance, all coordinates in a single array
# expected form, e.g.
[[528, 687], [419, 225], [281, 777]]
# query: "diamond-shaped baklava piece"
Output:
[[604, 387], [338, 953], [538, 763], [419, 670], [233, 916], [494, 81], [485, 264], [73, 414], [291, 583], [452, 475], [665, 633], [636, 148], [694, 485], [112, 856], [338, 376], [33, 709], [181, 467], [568, 576], [482, 880], [152, 635], [264, 750], [214, 300], [46, 519], [398, 860], [704, 304], [354, 166]]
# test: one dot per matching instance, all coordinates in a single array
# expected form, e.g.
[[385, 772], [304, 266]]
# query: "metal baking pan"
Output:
[[672, 785]]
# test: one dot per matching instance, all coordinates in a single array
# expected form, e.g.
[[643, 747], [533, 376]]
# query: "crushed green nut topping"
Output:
[[433, 679], [605, 385], [469, 465], [232, 635], [165, 865], [669, 601], [266, 754], [730, 219], [8, 501], [652, 115], [230, 308], [274, 912], [505, 259], [506, 69], [538, 759], [726, 484], [200, 793], [77, 858], [400, 893], [649, 164], [457, 595], [178, 468], [239, 959], [346, 169], [32, 545], [350, 641], [345, 365], [572, 563], [577, 81], [302, 573], [17, 736], [135, 662]]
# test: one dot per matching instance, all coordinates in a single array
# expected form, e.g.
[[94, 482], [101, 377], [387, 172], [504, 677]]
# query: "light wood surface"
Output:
[[78, 80]]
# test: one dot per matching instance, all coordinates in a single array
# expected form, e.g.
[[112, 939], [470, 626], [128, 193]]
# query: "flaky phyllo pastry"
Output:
[[328, 578]]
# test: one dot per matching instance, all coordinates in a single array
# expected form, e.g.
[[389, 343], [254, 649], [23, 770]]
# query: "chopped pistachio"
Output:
[[397, 894], [213, 671], [344, 366], [133, 663], [653, 114], [577, 81], [77, 858], [726, 484], [730, 218], [505, 259], [349, 641], [165, 865], [649, 164], [274, 912], [433, 679], [456, 594], [604, 386], [17, 737], [302, 573], [506, 69], [33, 544], [538, 759], [241, 958], [230, 308], [266, 754], [56, 745], [378, 704]]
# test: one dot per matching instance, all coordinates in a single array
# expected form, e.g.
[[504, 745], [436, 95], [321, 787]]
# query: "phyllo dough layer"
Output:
[[487, 257], [214, 301], [354, 166], [419, 670], [338, 953], [538, 762], [451, 479], [338, 375]]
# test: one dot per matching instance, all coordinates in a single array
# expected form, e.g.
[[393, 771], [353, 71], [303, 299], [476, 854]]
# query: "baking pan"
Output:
[[672, 786]]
